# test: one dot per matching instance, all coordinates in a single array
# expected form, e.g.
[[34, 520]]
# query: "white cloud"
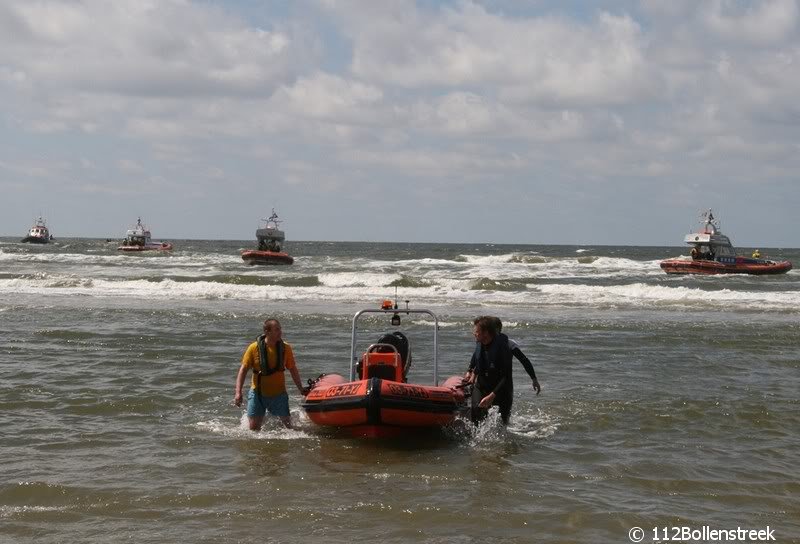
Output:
[[329, 97], [526, 60], [156, 48], [148, 67], [759, 23]]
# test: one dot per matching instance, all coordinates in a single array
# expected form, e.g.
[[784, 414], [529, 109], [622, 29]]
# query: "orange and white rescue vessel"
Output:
[[713, 253], [270, 245], [138, 239], [376, 400]]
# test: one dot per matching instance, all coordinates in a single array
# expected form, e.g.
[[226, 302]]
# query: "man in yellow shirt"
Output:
[[268, 357]]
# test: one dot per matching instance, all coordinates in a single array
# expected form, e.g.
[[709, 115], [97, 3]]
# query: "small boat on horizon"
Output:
[[138, 239], [38, 233], [270, 245], [376, 400], [713, 253]]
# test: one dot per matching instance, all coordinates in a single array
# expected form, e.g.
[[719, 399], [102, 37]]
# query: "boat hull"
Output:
[[149, 247], [266, 257], [376, 407], [739, 265], [35, 240]]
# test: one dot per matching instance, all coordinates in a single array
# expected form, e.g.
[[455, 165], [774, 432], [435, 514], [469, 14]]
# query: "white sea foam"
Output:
[[487, 259], [357, 288], [642, 293], [272, 429], [8, 511], [357, 279]]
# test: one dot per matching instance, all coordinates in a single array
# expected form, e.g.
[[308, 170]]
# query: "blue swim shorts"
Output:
[[258, 405]]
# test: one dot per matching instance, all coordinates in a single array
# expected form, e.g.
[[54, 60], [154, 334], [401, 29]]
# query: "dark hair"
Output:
[[487, 323], [498, 324], [270, 323]]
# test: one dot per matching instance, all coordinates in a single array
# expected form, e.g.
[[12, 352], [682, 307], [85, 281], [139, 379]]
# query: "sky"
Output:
[[496, 121]]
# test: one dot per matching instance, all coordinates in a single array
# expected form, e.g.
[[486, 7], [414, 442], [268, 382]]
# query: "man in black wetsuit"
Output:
[[490, 371]]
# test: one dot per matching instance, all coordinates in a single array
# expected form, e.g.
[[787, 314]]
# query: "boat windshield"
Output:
[[725, 250]]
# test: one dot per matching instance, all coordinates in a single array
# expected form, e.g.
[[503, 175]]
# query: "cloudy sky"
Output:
[[505, 121]]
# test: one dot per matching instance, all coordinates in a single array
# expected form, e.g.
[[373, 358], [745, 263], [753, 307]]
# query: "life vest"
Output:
[[493, 362], [265, 370]]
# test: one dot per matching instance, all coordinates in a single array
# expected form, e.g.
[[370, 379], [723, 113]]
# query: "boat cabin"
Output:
[[270, 238], [137, 236], [709, 243], [38, 233]]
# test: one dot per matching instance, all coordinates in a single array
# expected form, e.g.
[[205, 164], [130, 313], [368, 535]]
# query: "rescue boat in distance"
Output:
[[375, 400], [713, 253], [138, 239], [38, 233], [270, 242]]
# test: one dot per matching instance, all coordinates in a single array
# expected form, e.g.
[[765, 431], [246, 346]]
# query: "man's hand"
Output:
[[237, 398], [537, 387], [486, 402]]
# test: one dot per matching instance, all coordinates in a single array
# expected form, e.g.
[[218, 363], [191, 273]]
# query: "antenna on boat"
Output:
[[395, 316]]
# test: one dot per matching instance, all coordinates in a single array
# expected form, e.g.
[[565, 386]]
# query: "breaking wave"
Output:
[[357, 288]]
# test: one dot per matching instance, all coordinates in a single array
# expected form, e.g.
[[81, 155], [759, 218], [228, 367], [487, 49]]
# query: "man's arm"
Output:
[[526, 363], [528, 368], [296, 379], [470, 374], [237, 393], [487, 401], [516, 352], [291, 366]]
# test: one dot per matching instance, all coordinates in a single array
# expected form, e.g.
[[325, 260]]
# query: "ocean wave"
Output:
[[241, 279], [358, 279], [485, 259], [410, 281], [642, 293], [107, 257], [529, 259], [454, 292], [487, 284]]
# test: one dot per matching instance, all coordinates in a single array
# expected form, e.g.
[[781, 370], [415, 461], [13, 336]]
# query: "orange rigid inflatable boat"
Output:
[[137, 239], [713, 253], [376, 400], [270, 245]]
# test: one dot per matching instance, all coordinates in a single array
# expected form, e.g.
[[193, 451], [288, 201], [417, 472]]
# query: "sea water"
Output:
[[667, 402]]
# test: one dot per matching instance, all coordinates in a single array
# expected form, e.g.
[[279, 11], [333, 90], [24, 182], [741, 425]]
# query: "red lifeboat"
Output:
[[713, 253], [270, 242], [138, 239], [377, 401]]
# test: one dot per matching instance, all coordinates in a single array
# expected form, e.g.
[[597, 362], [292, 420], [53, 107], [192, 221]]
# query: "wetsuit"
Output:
[[492, 367], [526, 363]]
